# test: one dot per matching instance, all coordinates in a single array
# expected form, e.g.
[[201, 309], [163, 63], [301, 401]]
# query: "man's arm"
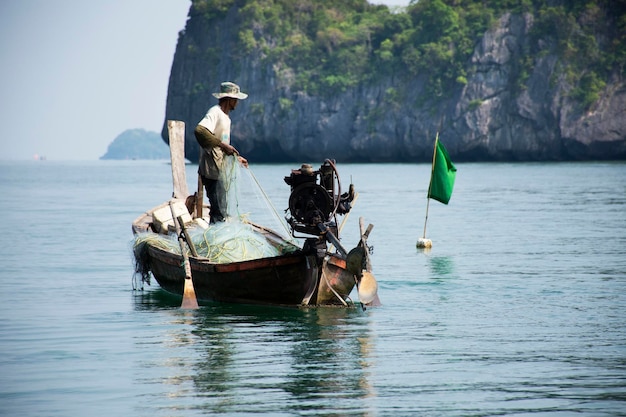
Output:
[[206, 138]]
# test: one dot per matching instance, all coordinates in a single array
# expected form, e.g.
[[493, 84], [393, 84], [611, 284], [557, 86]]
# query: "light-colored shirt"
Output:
[[218, 123]]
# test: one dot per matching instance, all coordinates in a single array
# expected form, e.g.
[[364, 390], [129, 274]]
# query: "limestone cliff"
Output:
[[515, 102]]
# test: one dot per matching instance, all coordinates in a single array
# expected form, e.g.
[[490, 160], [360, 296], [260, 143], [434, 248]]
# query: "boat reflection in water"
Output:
[[239, 358]]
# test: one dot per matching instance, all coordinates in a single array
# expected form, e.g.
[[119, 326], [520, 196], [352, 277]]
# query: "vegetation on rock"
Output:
[[326, 46], [500, 80]]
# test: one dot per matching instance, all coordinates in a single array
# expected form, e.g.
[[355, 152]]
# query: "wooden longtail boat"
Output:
[[321, 272]]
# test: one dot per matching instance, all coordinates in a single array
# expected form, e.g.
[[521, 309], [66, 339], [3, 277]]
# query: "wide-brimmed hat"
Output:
[[228, 89]]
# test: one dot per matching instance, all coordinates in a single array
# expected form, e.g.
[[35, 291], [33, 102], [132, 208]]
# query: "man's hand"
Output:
[[243, 161], [228, 149]]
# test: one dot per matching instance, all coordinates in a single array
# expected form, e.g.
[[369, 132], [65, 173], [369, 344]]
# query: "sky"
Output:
[[75, 74]]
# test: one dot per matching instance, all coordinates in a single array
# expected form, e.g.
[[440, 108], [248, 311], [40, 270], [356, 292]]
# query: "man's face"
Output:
[[232, 103]]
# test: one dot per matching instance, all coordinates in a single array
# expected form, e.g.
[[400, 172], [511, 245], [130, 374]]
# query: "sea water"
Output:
[[518, 309]]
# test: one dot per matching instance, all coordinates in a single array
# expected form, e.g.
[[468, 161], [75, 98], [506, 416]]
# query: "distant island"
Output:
[[137, 144]]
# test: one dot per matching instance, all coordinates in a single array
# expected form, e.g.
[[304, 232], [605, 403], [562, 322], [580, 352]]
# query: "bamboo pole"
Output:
[[423, 242]]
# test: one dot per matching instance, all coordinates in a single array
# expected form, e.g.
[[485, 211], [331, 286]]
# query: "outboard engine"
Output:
[[316, 199]]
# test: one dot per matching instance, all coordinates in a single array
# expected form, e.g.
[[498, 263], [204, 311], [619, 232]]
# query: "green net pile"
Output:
[[222, 242], [234, 240]]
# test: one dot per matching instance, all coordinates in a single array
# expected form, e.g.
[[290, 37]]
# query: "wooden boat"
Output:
[[319, 273]]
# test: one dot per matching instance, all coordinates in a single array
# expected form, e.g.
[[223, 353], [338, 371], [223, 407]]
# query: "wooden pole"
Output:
[[189, 294], [199, 197], [343, 221], [423, 242], [192, 248], [345, 218], [176, 134], [426, 218]]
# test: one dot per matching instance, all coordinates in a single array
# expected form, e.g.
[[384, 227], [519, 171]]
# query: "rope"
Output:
[[280, 219]]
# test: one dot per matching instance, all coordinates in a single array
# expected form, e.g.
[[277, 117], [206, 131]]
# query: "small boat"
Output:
[[175, 244]]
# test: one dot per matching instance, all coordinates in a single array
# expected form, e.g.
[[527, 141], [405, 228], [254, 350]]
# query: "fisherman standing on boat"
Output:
[[213, 135]]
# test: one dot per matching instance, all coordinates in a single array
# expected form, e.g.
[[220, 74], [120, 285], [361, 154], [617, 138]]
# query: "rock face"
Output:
[[485, 119]]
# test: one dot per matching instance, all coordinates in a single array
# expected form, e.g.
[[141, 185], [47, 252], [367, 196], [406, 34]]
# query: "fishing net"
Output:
[[226, 242], [234, 240], [223, 242], [241, 194], [228, 187]]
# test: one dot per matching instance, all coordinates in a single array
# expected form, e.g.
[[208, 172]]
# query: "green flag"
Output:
[[442, 177]]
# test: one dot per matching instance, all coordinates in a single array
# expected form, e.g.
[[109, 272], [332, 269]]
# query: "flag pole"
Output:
[[432, 170], [423, 242], [426, 219]]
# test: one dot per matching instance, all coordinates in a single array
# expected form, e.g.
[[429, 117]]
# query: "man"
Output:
[[213, 135]]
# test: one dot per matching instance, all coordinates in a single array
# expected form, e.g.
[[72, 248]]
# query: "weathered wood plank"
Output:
[[176, 131]]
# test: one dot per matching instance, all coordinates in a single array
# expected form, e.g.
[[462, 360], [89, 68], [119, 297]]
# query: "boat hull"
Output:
[[299, 278], [291, 279]]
